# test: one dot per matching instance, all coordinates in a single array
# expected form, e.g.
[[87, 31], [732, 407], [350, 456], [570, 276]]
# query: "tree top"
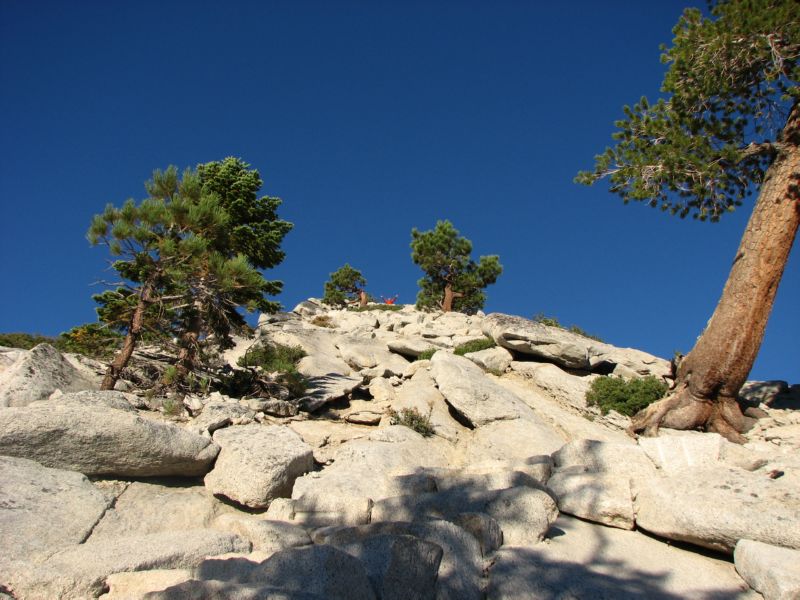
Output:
[[732, 81]]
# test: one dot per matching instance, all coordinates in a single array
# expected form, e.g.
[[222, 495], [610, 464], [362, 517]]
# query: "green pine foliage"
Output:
[[427, 354], [92, 339], [625, 396], [731, 82], [25, 341], [344, 286], [188, 256], [281, 360], [474, 346], [272, 357], [444, 256]]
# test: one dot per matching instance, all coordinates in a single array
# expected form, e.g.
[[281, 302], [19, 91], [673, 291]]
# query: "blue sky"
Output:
[[367, 119]]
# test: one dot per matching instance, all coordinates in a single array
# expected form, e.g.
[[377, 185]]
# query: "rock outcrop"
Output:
[[390, 477], [36, 374], [96, 440]]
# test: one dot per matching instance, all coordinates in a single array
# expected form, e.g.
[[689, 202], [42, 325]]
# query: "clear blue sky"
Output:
[[367, 118]]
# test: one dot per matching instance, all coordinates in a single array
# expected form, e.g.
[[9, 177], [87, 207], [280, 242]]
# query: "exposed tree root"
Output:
[[683, 410]]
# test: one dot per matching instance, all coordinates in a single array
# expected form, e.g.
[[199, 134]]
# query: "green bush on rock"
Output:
[[413, 419], [474, 346], [272, 357], [625, 396]]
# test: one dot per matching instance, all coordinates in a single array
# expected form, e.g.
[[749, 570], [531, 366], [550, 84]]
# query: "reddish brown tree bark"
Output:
[[135, 327], [449, 297], [710, 377]]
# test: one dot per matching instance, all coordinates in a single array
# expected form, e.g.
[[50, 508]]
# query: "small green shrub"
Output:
[[427, 355], [169, 376], [171, 407], [543, 319], [389, 307], [475, 346], [577, 330], [625, 397], [323, 321], [413, 419], [272, 357]]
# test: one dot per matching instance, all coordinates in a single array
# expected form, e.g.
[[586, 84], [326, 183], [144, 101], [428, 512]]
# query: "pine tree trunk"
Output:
[[449, 297], [187, 356], [710, 377], [362, 298], [135, 328]]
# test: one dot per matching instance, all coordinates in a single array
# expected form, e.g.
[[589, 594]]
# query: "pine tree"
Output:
[[181, 275], [730, 122], [251, 237], [346, 285], [453, 281]]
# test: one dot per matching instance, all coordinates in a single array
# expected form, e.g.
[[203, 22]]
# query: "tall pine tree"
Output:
[[452, 281], [730, 122], [181, 272], [346, 285]]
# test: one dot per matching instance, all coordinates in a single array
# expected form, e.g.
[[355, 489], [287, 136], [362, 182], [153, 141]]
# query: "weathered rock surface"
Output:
[[524, 514], [481, 494], [104, 399], [477, 399], [217, 414], [558, 384], [717, 507], [137, 584], [599, 497], [8, 356], [676, 451], [771, 570], [95, 440], [38, 373], [264, 535], [550, 344], [461, 566], [43, 510], [226, 590], [80, 571], [320, 365], [258, 463], [398, 566], [513, 440], [364, 354], [327, 388], [322, 570], [625, 460], [582, 560], [409, 346], [570, 350], [776, 393], [492, 359], [179, 508], [362, 468], [421, 394]]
